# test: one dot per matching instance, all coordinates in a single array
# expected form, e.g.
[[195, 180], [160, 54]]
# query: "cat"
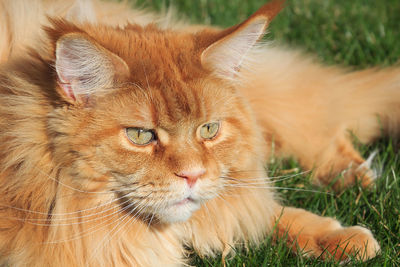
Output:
[[123, 144]]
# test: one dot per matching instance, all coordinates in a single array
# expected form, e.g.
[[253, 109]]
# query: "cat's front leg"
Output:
[[247, 215], [316, 236], [233, 219]]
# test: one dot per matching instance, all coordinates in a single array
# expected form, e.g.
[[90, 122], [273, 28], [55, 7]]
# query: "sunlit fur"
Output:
[[312, 111], [22, 20], [75, 191]]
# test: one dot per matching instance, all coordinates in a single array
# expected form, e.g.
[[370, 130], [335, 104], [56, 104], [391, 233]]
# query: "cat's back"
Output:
[[22, 22]]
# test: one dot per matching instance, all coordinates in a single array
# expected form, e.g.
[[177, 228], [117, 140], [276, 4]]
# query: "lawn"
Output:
[[356, 33]]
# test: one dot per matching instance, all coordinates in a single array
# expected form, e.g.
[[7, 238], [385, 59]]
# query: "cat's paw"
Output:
[[355, 241], [362, 174], [323, 237]]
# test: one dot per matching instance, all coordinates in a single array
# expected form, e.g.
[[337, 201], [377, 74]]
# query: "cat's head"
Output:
[[153, 116]]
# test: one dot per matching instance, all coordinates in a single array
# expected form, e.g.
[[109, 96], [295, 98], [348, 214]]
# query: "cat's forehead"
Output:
[[167, 85], [173, 104], [156, 57]]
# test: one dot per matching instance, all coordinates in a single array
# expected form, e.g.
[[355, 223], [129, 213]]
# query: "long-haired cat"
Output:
[[123, 144]]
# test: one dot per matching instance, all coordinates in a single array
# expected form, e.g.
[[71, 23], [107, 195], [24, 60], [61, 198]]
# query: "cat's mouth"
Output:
[[174, 211], [181, 210], [184, 201]]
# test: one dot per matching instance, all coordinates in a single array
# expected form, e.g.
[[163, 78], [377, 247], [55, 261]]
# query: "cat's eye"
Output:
[[140, 136], [209, 130]]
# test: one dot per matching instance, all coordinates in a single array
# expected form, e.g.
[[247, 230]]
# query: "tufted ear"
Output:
[[85, 68], [82, 11], [225, 55]]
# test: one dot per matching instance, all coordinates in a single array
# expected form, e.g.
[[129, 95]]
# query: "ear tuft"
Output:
[[82, 11], [85, 68], [226, 55]]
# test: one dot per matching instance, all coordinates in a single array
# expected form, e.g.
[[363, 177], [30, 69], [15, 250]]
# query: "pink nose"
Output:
[[191, 176]]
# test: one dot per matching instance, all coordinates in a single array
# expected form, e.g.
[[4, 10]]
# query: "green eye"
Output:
[[209, 130], [140, 136]]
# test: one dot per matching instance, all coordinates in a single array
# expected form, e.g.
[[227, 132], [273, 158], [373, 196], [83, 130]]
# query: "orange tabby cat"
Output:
[[121, 145]]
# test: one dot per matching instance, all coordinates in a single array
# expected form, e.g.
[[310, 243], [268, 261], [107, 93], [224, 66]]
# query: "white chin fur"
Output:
[[178, 213]]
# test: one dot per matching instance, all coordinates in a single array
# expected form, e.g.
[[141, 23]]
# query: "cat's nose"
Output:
[[191, 176]]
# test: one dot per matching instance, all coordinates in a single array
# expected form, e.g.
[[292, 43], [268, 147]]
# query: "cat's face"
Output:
[[153, 126], [162, 150]]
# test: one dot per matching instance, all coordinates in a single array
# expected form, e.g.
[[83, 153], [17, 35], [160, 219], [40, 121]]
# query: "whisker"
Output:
[[58, 214], [276, 177], [283, 188], [263, 180], [89, 231], [258, 181], [111, 235], [132, 190], [275, 187], [265, 171], [305, 190], [74, 218], [90, 215], [70, 187]]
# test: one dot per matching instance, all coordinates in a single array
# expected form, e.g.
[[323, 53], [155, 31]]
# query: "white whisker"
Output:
[[111, 235], [275, 187], [89, 231]]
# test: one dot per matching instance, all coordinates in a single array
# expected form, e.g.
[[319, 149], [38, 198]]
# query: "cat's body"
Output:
[[311, 112], [66, 163]]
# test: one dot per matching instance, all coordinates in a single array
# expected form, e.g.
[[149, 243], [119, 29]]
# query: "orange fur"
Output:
[[310, 110], [76, 192]]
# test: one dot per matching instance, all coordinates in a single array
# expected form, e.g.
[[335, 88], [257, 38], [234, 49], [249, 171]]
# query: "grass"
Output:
[[357, 33]]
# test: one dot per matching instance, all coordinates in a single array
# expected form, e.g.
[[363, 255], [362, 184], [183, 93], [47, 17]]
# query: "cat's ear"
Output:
[[85, 68], [225, 55]]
